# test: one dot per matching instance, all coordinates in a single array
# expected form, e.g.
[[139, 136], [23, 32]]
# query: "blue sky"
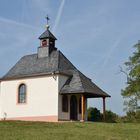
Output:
[[95, 35]]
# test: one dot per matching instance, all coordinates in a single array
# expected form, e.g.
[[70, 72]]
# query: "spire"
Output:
[[47, 33]]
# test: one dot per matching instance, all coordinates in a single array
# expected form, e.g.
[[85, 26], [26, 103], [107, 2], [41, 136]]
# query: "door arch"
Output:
[[73, 108]]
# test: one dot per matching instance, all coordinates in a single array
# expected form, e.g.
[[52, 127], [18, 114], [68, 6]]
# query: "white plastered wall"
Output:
[[0, 103], [42, 97]]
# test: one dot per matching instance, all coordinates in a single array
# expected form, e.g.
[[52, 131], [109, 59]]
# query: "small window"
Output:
[[80, 105], [22, 93], [64, 103], [44, 43]]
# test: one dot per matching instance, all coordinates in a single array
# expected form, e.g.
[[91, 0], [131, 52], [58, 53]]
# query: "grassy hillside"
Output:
[[19, 130]]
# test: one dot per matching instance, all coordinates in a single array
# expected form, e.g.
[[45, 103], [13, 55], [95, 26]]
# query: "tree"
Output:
[[94, 114], [131, 93]]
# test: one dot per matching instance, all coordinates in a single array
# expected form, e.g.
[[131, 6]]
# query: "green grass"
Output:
[[20, 130]]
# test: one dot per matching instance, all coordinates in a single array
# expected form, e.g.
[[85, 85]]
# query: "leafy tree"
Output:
[[94, 114], [131, 93]]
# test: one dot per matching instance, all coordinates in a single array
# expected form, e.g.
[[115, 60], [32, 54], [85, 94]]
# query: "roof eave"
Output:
[[34, 75], [87, 94], [47, 37]]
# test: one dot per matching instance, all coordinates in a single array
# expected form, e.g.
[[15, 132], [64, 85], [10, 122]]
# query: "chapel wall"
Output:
[[42, 98], [0, 103]]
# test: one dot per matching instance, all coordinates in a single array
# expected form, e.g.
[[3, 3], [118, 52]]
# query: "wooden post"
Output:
[[104, 108], [82, 107]]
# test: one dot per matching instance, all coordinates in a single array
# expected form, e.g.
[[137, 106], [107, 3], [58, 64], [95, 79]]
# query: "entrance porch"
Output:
[[74, 94], [74, 107]]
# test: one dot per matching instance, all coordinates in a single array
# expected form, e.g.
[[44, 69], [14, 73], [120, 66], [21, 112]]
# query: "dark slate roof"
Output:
[[31, 65], [79, 83], [47, 34]]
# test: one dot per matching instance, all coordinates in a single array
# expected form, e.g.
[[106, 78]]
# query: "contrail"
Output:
[[60, 10], [111, 51], [12, 22]]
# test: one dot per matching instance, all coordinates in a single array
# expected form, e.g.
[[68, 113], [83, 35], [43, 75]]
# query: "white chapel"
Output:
[[46, 86]]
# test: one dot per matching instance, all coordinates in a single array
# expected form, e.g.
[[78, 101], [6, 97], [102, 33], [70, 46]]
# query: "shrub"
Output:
[[130, 116], [110, 116], [94, 114], [133, 116]]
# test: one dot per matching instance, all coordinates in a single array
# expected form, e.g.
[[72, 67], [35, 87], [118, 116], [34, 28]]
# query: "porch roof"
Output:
[[78, 83]]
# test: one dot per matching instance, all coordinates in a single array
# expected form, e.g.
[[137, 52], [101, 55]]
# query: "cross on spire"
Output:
[[47, 26], [47, 17]]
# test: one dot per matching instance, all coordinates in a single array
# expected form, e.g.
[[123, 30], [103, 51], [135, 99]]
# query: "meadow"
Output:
[[20, 130]]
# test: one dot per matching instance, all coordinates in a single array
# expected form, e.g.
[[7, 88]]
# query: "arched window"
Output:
[[80, 105], [65, 103], [22, 93]]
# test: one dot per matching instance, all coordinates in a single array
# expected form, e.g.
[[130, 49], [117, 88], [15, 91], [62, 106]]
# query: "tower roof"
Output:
[[47, 34]]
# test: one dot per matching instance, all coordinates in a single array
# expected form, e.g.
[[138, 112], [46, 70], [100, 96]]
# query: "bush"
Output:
[[138, 116], [130, 116], [133, 116], [110, 116], [94, 114]]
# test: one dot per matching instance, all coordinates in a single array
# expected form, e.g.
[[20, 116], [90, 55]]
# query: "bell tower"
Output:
[[47, 42]]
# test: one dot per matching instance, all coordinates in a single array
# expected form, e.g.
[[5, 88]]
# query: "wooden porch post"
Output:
[[82, 108], [104, 108]]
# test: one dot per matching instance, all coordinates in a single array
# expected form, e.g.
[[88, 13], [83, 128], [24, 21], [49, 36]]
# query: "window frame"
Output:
[[19, 94]]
